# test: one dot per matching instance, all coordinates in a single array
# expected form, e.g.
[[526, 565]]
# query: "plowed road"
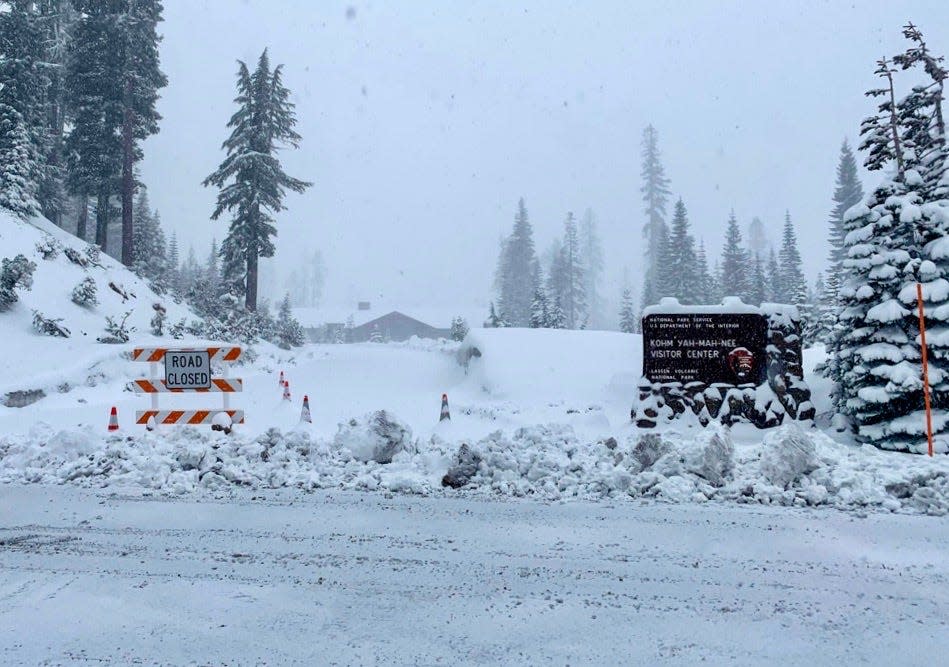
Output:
[[359, 578]]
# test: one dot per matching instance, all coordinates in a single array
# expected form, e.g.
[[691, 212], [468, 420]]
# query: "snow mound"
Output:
[[792, 467], [378, 437], [548, 365], [788, 455]]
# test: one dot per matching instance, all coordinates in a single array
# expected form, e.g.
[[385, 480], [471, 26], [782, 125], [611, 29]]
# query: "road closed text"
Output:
[[186, 369]]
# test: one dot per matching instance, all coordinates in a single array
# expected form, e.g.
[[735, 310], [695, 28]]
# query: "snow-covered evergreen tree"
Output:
[[734, 267], [140, 79], [150, 260], [896, 240], [775, 280], [174, 265], [655, 191], [517, 271], [540, 307], [16, 273], [494, 320], [211, 268], [793, 283], [758, 282], [847, 193], [708, 290], [23, 92], [627, 312], [556, 318], [459, 329], [85, 293], [923, 125], [876, 359], [94, 98], [289, 332], [57, 19], [565, 282], [681, 264], [251, 181]]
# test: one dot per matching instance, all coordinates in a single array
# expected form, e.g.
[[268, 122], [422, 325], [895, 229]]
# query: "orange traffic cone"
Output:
[[114, 420], [280, 381], [305, 413], [445, 414], [286, 390]]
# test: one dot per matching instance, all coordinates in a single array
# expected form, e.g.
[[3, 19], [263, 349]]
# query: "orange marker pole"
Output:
[[922, 337]]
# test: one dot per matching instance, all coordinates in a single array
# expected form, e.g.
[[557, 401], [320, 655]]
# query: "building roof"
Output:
[[434, 316]]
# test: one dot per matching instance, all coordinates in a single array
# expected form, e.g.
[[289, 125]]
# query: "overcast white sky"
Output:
[[423, 122]]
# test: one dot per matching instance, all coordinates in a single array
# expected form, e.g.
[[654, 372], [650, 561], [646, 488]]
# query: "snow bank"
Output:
[[790, 467]]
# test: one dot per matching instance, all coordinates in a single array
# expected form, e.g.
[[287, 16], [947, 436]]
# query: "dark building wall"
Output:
[[398, 327]]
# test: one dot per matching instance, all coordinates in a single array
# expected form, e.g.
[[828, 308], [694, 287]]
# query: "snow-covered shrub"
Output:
[[16, 273], [93, 254], [116, 332], [177, 330], [158, 319], [48, 326], [377, 436], [48, 248], [789, 454], [84, 294], [288, 331]]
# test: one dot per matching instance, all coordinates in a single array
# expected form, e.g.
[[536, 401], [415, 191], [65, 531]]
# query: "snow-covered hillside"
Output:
[[33, 361]]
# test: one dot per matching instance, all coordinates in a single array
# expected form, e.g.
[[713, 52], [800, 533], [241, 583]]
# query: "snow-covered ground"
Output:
[[542, 414], [344, 578]]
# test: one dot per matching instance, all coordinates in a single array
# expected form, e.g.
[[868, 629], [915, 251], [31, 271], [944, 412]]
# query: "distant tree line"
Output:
[[678, 266], [561, 290]]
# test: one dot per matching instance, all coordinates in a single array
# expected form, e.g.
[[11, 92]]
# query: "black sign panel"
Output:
[[698, 347]]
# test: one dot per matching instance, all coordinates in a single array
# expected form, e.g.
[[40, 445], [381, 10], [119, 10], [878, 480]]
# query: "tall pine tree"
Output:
[[895, 241], [591, 255], [793, 282], [517, 271], [251, 180], [566, 280], [681, 265], [847, 193], [141, 78], [94, 99], [23, 93], [655, 191], [734, 267]]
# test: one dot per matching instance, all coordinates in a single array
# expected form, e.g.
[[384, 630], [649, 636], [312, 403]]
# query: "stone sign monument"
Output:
[[732, 362]]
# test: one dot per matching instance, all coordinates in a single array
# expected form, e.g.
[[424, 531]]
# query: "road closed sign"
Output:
[[187, 369]]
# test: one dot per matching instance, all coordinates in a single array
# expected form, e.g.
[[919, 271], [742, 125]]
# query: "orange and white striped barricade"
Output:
[[187, 370]]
